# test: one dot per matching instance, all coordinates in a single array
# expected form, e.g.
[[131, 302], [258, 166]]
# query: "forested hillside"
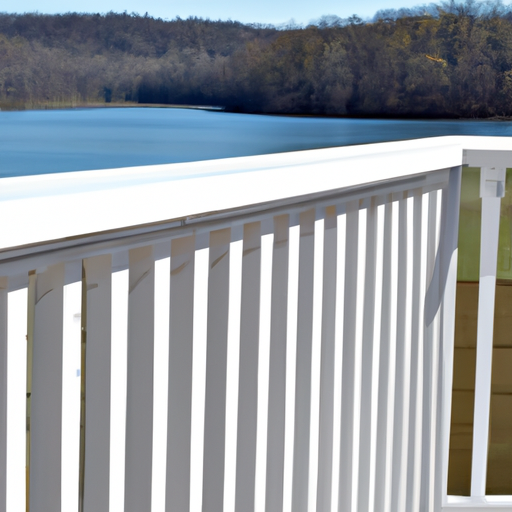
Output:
[[453, 60]]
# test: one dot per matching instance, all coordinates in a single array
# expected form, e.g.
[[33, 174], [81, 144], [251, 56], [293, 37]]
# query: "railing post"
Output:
[[492, 189]]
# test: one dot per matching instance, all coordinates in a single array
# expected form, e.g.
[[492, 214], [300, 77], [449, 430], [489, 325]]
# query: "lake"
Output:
[[50, 141]]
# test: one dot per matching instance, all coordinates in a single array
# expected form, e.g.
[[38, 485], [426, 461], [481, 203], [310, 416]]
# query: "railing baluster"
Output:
[[16, 398], [415, 424], [161, 376], [324, 485], [139, 408], [179, 414], [403, 354], [215, 398], [379, 276], [199, 350], [96, 358], [429, 366], [434, 330], [349, 407], [236, 249], [118, 384], [248, 369], [277, 369], [366, 441], [291, 360], [46, 391], [338, 351], [300, 484], [3, 392], [385, 419]]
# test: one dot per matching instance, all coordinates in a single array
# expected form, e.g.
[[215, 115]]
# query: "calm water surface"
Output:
[[38, 142]]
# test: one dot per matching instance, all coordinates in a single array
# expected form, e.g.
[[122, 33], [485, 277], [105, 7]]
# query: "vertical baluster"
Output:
[[403, 348], [216, 361], [437, 362], [118, 385], [236, 250], [264, 364], [324, 486], [181, 320], [3, 392], [199, 352], [161, 375], [428, 414], [383, 458], [433, 331], [338, 352], [95, 400], [415, 425], [439, 491], [277, 371], [16, 398], [45, 421], [367, 375], [303, 365], [348, 386], [377, 325], [248, 379], [31, 301], [139, 402]]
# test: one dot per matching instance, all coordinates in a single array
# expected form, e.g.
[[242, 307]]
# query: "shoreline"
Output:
[[127, 104], [219, 108]]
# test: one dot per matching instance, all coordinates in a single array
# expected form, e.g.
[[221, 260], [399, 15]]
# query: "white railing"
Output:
[[265, 333]]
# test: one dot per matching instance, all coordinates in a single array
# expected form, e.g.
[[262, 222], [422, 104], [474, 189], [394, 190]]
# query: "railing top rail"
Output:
[[60, 206]]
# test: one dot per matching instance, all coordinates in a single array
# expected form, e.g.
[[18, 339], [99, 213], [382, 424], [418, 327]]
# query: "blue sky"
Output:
[[246, 11]]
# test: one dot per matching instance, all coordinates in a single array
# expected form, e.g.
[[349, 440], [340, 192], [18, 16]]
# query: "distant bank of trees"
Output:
[[451, 60]]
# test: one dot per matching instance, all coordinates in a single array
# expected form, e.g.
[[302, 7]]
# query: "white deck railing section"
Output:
[[269, 333]]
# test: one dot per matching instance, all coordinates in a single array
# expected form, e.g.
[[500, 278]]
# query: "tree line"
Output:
[[447, 60]]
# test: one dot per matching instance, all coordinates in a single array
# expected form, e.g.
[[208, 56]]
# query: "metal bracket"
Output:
[[492, 181]]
